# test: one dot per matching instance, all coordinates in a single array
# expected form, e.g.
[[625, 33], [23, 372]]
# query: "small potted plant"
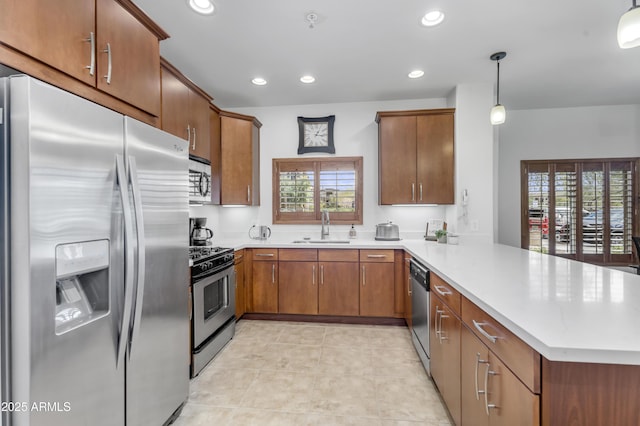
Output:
[[441, 236]]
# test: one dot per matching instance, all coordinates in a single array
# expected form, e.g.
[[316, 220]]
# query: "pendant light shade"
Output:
[[629, 28], [498, 113]]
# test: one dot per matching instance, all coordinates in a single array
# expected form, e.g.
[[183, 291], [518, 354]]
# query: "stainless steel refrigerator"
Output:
[[94, 227]]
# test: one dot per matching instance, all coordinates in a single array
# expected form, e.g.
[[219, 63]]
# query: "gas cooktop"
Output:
[[198, 253]]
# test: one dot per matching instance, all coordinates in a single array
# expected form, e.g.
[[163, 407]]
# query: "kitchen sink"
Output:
[[321, 241]]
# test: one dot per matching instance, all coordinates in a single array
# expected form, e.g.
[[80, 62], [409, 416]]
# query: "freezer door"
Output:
[[158, 355], [66, 258]]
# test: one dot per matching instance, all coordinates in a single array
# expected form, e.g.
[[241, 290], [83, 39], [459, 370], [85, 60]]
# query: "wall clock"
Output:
[[316, 134]]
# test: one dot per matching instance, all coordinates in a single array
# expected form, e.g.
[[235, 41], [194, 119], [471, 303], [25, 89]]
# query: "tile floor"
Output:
[[286, 373]]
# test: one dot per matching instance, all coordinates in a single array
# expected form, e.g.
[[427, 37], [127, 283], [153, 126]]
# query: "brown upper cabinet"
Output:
[[108, 44], [239, 159], [185, 111], [416, 156]]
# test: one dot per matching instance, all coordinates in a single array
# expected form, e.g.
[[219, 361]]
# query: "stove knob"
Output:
[[208, 265]]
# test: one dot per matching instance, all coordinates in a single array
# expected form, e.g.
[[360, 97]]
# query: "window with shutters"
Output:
[[581, 209], [304, 187]]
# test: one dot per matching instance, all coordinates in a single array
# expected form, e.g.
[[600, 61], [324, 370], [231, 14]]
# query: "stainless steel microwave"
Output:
[[199, 182]]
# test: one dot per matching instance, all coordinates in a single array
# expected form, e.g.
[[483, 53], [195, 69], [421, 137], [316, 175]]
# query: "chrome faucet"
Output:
[[325, 221]]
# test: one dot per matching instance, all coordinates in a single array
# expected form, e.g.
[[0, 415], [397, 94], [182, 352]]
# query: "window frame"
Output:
[[580, 166], [316, 164]]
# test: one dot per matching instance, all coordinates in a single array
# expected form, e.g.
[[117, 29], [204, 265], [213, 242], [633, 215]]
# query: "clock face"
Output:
[[316, 134]]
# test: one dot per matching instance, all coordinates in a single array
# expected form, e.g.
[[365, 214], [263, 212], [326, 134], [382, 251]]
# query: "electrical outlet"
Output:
[[474, 225]]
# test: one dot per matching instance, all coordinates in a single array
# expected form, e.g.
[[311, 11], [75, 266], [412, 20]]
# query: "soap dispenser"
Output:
[[352, 232]]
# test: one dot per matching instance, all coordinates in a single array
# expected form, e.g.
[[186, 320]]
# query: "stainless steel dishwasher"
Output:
[[420, 303]]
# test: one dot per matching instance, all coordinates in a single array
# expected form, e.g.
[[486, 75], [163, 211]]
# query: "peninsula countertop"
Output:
[[566, 310]]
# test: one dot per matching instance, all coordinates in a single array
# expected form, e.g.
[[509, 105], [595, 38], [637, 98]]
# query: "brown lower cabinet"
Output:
[[338, 292], [444, 338], [298, 288], [491, 393], [264, 281], [240, 283], [376, 289]]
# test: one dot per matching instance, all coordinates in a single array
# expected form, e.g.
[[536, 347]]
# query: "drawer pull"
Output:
[[441, 292], [479, 325], [486, 389], [377, 256], [478, 362], [109, 67], [265, 254], [92, 65]]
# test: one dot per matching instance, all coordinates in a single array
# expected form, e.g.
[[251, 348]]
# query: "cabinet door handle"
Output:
[[321, 274], [109, 68], [413, 192], [442, 337], [479, 325], [364, 277], [313, 275], [444, 292], [248, 193], [193, 147], [377, 256], [420, 191], [273, 273], [189, 134], [92, 66], [438, 323], [409, 286], [265, 254], [478, 362], [486, 389]]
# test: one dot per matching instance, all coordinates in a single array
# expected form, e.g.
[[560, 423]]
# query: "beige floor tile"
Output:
[[336, 360], [287, 356], [203, 415], [221, 386], [258, 417], [311, 374], [302, 335], [346, 336], [280, 390]]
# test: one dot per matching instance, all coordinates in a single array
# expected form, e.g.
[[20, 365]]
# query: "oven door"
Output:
[[214, 302]]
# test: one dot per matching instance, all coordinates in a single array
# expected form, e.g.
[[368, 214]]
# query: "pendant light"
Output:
[[629, 28], [498, 113]]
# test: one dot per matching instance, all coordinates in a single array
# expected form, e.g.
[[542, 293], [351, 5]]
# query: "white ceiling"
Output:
[[559, 52]]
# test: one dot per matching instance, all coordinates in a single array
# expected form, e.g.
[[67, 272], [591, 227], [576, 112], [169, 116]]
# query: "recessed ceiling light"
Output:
[[416, 74], [308, 79], [432, 18], [259, 81], [204, 7]]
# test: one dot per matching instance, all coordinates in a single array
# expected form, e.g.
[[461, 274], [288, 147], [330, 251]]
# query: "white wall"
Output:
[[474, 145], [571, 133], [355, 134]]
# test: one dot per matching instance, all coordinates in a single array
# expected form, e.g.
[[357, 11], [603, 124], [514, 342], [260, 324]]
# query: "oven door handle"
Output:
[[123, 187], [140, 279]]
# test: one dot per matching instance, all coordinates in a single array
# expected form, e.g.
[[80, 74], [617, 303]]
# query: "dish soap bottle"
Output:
[[352, 232]]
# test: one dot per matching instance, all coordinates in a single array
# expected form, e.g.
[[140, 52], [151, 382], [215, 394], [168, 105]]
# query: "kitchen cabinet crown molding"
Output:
[[134, 10], [439, 111], [230, 114], [185, 80]]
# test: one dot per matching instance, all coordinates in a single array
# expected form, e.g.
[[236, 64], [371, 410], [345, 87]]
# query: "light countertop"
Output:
[[565, 310]]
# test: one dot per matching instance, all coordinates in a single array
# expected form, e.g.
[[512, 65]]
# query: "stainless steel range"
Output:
[[213, 303]]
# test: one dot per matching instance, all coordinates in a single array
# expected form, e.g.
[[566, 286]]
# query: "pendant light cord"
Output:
[[498, 85]]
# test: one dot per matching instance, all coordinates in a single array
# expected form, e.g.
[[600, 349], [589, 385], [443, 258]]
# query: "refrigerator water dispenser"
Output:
[[82, 284]]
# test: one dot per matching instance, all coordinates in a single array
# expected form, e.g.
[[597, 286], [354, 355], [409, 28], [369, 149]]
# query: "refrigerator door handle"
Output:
[[129, 258], [137, 207]]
